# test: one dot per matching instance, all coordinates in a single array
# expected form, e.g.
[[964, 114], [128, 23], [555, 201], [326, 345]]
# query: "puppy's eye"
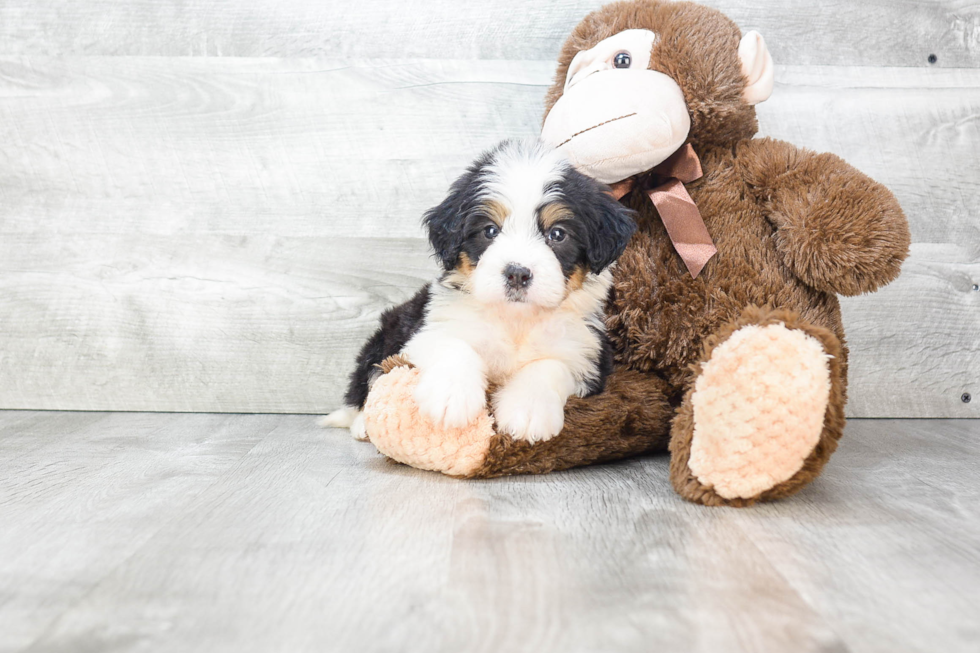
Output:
[[622, 60], [556, 235], [491, 232]]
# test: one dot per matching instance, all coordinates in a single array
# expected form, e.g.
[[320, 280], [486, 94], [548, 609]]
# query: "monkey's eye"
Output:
[[556, 235], [491, 232], [622, 60]]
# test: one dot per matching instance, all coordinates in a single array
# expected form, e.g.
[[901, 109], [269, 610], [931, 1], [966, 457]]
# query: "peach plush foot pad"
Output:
[[759, 408], [399, 431]]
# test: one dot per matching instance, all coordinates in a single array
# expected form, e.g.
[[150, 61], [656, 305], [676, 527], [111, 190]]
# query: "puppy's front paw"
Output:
[[450, 399], [532, 415]]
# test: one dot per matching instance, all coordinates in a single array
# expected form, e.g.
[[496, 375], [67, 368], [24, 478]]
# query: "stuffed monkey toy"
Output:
[[724, 316]]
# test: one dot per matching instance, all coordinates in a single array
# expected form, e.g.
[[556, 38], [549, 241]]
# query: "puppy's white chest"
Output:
[[511, 344]]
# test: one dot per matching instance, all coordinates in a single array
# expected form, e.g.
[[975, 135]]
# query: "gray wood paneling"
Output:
[[309, 147], [199, 233], [915, 345], [134, 532], [840, 32], [193, 323], [272, 324], [156, 211], [251, 146]]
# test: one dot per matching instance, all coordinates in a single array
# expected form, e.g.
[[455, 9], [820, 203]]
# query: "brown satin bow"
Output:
[[678, 211]]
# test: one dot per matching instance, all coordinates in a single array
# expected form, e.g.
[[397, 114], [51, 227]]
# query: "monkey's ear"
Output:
[[757, 67]]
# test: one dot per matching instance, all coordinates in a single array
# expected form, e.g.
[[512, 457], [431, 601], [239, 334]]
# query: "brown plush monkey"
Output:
[[729, 344]]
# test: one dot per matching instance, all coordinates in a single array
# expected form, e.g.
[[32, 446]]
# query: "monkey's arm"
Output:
[[631, 416], [836, 228]]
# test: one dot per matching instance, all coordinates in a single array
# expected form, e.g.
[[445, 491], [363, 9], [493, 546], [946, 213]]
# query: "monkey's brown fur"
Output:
[[793, 230]]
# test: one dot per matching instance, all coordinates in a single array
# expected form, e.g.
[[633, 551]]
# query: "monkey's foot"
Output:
[[757, 413]]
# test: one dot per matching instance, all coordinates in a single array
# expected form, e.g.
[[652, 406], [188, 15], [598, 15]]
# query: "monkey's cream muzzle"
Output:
[[616, 123]]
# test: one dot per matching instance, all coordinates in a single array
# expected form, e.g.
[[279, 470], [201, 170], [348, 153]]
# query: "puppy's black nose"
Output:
[[517, 276]]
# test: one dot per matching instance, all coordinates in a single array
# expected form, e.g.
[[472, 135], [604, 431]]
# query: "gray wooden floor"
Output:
[[194, 532]]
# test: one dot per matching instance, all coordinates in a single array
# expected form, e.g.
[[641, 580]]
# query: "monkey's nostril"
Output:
[[517, 276]]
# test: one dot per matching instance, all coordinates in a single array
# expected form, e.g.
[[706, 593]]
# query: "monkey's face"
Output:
[[616, 117], [626, 103]]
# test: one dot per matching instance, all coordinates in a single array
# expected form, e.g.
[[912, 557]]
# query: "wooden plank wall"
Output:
[[205, 205]]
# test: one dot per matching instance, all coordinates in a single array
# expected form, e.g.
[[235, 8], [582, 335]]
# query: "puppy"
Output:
[[526, 243]]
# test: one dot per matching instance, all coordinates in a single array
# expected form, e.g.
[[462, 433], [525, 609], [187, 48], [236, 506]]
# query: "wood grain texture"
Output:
[[81, 493], [165, 146], [264, 324], [835, 32], [194, 323], [913, 475], [134, 532], [254, 146], [177, 234], [915, 345]]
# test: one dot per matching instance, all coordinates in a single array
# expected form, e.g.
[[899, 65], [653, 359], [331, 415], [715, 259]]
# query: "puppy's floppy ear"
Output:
[[446, 222], [609, 224], [615, 227], [445, 225]]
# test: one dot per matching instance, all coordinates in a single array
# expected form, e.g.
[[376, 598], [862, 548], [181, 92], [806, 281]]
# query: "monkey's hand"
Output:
[[836, 228]]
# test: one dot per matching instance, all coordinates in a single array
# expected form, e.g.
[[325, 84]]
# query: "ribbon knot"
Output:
[[677, 210]]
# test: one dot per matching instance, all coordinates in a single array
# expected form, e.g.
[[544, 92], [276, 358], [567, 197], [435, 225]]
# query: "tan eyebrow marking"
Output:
[[496, 212], [553, 212]]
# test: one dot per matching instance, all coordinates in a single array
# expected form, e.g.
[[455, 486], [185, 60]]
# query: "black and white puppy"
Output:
[[526, 243]]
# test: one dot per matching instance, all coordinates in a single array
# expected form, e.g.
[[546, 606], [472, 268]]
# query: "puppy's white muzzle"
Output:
[[519, 267]]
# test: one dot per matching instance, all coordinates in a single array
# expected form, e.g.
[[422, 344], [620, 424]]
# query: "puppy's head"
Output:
[[522, 226]]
